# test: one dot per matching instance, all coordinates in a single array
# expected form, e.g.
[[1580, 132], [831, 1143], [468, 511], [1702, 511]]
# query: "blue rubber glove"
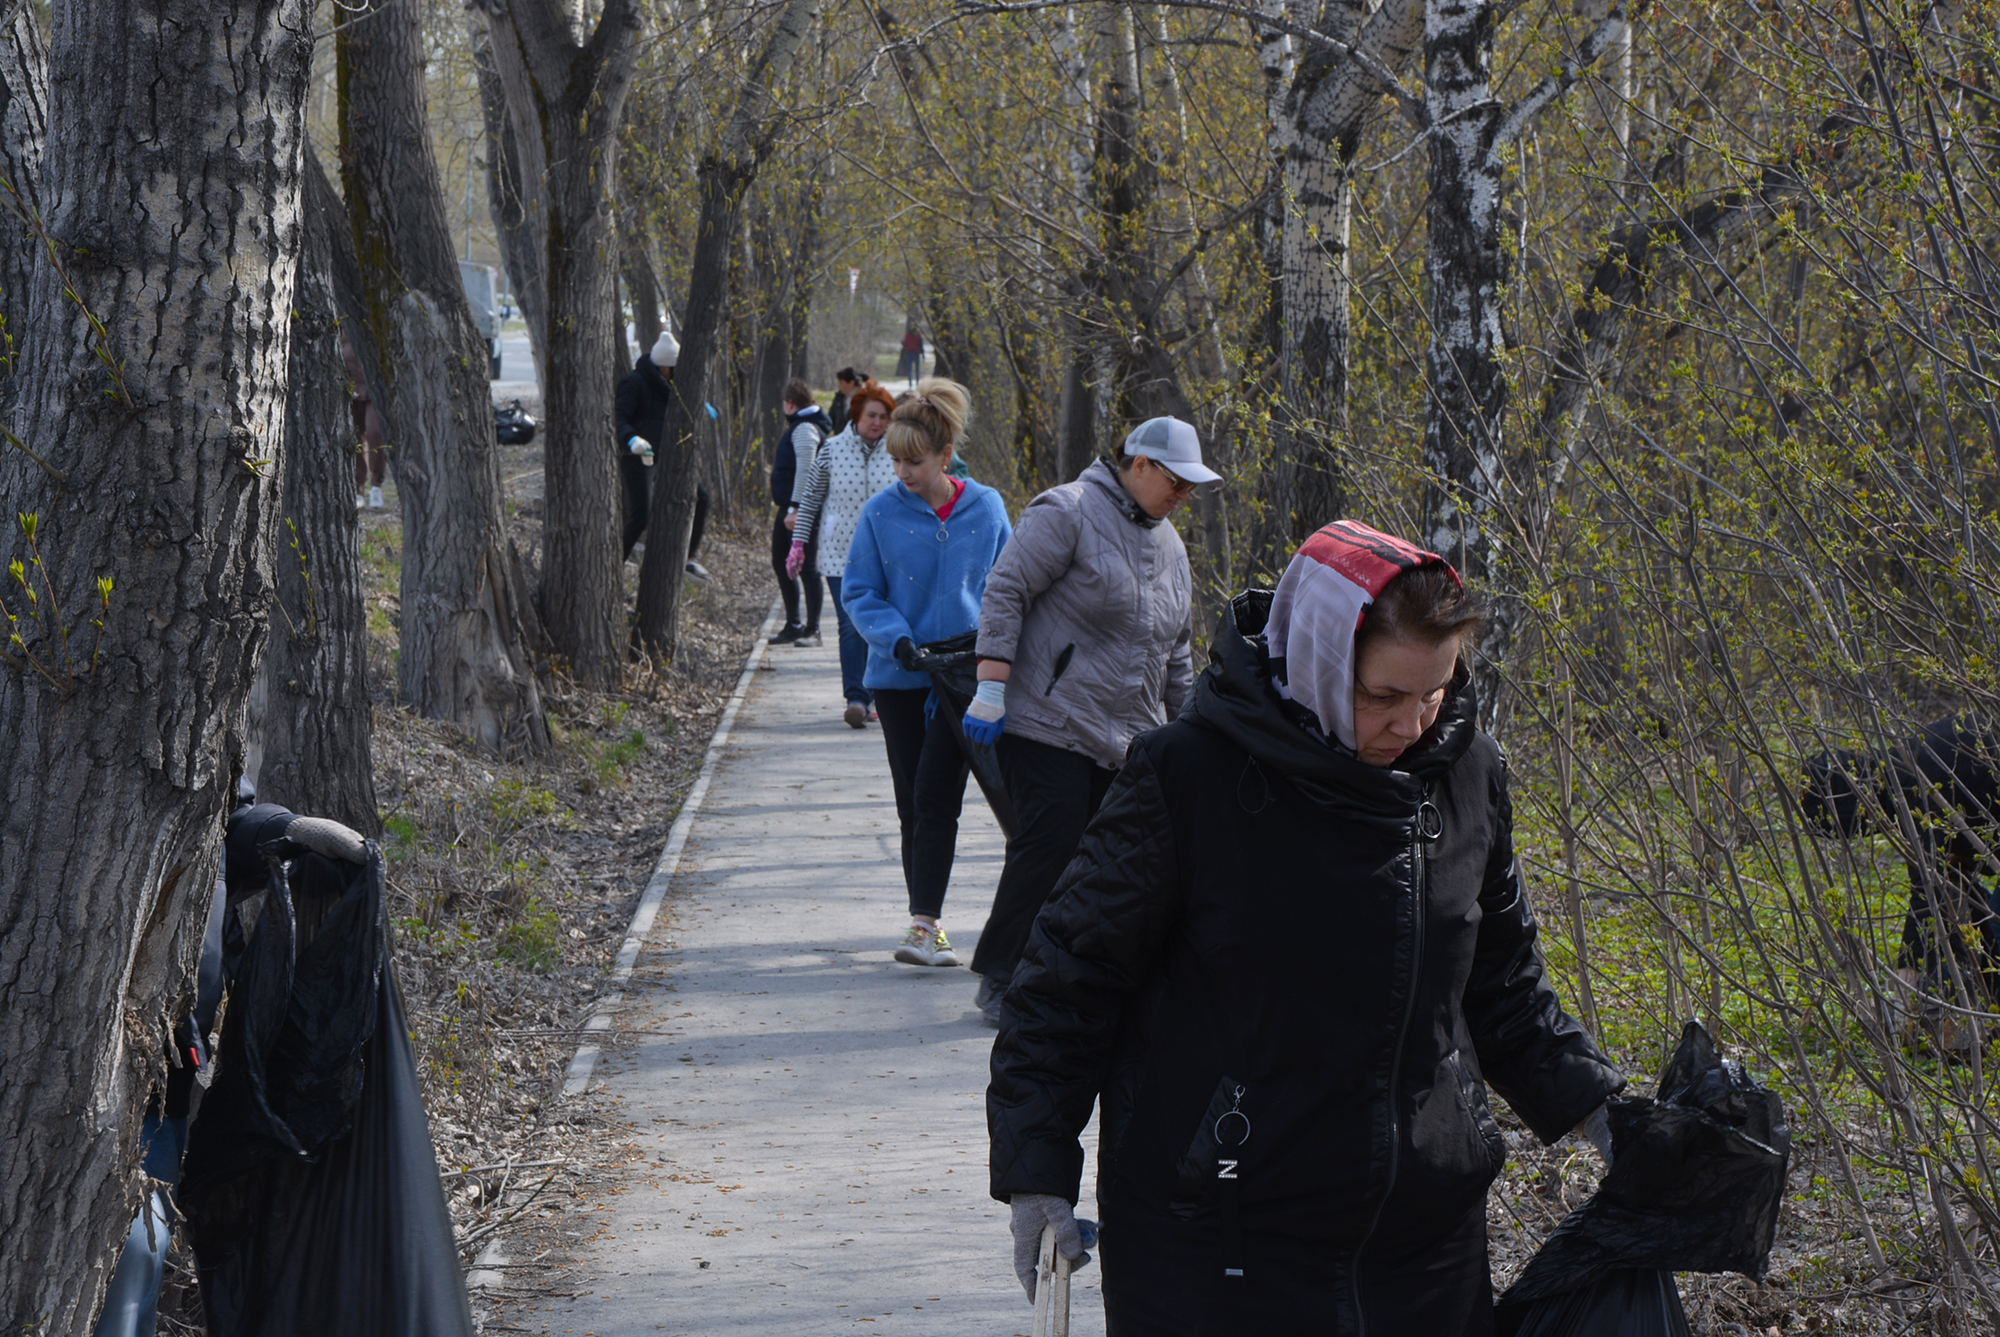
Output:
[[987, 713]]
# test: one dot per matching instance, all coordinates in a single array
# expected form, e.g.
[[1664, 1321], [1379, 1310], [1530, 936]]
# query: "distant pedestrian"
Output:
[[849, 469], [910, 365], [371, 451], [806, 425], [845, 382], [915, 573], [1086, 618], [642, 425]]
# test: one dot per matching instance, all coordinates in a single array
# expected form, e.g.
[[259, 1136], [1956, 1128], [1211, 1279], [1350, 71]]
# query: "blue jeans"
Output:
[[853, 649]]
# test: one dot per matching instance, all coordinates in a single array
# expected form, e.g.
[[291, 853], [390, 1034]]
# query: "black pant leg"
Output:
[[810, 578], [939, 799], [1055, 793], [637, 480], [781, 548], [700, 521], [902, 716]]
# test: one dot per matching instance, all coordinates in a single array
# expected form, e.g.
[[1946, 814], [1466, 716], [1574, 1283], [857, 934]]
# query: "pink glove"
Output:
[[795, 561]]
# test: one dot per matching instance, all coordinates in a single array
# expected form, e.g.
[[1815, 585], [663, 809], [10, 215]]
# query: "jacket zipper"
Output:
[[1418, 869]]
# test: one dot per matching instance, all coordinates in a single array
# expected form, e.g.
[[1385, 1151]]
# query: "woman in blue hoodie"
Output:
[[915, 572]]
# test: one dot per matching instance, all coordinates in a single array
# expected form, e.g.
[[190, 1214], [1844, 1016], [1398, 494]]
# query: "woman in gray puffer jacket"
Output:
[[1083, 644]]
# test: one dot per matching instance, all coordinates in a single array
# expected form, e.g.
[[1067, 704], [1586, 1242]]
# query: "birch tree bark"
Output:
[[566, 101], [466, 619], [1471, 137], [1465, 269], [725, 173], [149, 379], [1326, 108], [310, 747]]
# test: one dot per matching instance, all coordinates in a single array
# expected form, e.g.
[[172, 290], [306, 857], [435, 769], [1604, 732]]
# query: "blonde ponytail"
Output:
[[929, 421]]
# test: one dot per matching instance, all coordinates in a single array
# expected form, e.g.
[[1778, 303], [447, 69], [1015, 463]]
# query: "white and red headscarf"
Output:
[[1318, 609]]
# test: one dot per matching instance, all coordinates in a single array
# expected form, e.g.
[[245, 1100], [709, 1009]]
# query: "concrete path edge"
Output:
[[577, 1079]]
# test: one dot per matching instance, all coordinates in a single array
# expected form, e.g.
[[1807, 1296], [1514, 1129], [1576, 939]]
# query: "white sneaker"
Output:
[[374, 498], [926, 946], [360, 500]]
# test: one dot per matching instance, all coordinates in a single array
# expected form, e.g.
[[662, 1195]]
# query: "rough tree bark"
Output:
[[24, 117], [516, 203], [466, 619], [566, 100], [310, 747], [643, 288], [725, 173], [155, 515]]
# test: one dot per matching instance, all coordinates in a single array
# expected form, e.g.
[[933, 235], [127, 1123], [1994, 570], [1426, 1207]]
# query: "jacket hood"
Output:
[[1106, 477], [1235, 697], [814, 414]]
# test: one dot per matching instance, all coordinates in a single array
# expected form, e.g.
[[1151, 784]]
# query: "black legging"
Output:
[[1054, 793], [638, 481], [781, 548], [928, 768]]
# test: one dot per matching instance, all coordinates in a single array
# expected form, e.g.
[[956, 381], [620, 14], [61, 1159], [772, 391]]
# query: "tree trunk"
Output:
[[515, 200], [1328, 104], [724, 175], [310, 749], [643, 288], [805, 275], [150, 380], [566, 102], [24, 117], [1467, 388], [466, 620]]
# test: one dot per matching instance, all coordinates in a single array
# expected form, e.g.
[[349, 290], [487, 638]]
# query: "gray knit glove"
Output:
[[1596, 1128], [1032, 1211]]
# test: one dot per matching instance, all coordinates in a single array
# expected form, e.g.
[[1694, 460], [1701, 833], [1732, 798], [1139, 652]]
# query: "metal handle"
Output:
[[1051, 1289]]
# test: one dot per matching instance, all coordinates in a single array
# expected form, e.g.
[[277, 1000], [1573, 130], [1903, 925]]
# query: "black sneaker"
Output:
[[698, 571], [991, 987], [787, 636], [807, 637]]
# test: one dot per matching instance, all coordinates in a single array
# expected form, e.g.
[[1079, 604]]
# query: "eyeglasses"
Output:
[[1181, 487]]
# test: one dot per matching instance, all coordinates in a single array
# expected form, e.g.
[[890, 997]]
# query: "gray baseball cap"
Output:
[[1174, 444]]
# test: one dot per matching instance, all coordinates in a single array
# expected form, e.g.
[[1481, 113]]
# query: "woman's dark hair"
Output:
[[1425, 606], [849, 375], [798, 394]]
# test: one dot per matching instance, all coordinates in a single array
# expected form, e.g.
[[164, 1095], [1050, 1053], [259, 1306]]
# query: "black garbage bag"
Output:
[[953, 670], [1624, 1302], [310, 1188], [1696, 1179]]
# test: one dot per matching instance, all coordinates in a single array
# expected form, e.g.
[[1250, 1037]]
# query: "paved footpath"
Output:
[[811, 1113]]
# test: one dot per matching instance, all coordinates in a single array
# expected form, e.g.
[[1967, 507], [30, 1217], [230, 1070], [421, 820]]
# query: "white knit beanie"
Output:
[[666, 349]]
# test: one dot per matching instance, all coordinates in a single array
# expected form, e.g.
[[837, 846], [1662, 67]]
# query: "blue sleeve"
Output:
[[864, 589]]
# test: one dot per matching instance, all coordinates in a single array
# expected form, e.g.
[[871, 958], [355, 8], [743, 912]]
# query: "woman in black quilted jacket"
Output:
[[1290, 958]]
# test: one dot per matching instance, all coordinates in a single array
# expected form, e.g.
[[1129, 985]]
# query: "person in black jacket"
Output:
[[1947, 779], [641, 413], [845, 382], [806, 425], [1292, 952]]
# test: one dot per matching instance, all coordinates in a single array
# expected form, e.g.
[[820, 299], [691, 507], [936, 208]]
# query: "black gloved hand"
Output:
[[908, 655]]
